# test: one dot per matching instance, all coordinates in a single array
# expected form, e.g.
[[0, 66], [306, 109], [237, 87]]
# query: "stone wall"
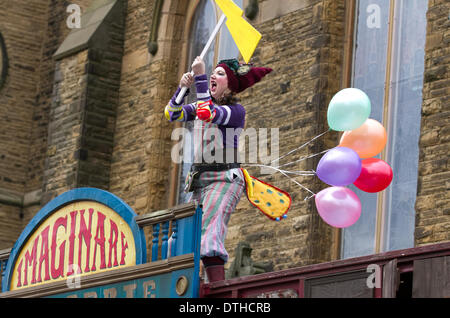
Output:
[[23, 28], [83, 110], [31, 99], [432, 204], [66, 119], [141, 157]]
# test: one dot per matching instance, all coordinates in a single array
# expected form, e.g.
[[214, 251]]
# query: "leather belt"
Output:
[[214, 166]]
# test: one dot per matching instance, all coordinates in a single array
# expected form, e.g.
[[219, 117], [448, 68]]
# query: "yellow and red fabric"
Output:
[[270, 200]]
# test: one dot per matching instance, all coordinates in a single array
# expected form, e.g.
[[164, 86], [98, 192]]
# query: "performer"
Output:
[[216, 185]]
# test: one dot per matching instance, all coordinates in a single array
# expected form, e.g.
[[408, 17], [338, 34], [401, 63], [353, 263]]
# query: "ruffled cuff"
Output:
[[174, 98]]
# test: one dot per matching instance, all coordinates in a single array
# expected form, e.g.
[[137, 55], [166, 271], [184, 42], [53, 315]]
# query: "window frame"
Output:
[[351, 20]]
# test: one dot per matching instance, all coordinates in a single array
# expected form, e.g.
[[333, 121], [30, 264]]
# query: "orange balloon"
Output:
[[368, 140]]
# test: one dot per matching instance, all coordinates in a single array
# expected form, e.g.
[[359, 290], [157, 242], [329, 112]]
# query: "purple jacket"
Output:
[[227, 116]]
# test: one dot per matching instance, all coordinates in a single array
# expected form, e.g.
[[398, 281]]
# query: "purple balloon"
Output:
[[340, 166], [338, 206]]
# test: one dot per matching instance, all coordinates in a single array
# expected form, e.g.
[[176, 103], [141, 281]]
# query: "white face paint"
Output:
[[218, 83]]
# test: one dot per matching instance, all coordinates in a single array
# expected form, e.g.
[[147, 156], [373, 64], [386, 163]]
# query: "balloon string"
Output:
[[302, 186], [300, 173], [297, 172], [304, 158], [305, 144]]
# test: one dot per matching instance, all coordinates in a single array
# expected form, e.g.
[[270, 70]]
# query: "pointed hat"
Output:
[[242, 76]]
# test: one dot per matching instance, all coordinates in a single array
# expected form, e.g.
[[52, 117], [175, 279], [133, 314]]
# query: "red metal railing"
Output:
[[344, 278]]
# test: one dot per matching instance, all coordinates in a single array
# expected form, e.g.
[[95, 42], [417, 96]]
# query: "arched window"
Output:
[[388, 64], [205, 18]]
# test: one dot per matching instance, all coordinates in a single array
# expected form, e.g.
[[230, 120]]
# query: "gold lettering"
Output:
[[110, 293], [129, 289], [149, 291], [91, 294]]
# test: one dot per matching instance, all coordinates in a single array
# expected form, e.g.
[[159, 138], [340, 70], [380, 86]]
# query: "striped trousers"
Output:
[[219, 192]]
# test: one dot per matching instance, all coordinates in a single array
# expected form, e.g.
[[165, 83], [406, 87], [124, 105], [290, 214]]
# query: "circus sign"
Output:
[[82, 232]]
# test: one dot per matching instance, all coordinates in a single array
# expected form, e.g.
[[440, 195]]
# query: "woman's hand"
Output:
[[186, 80], [198, 66]]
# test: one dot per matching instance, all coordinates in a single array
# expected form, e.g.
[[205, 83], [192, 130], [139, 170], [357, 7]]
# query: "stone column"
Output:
[[84, 101], [432, 203]]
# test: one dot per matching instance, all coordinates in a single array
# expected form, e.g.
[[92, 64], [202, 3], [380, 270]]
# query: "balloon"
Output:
[[368, 140], [376, 175], [340, 166], [338, 206], [348, 109]]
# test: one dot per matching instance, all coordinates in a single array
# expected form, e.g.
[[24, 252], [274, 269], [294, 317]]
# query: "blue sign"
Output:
[[170, 285]]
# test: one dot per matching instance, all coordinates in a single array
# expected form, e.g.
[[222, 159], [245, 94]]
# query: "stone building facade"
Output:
[[83, 107]]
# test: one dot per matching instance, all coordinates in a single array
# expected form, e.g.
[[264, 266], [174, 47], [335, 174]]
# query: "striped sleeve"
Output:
[[178, 112], [201, 84], [232, 116]]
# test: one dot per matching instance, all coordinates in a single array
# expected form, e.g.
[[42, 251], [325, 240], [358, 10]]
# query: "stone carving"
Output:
[[243, 264]]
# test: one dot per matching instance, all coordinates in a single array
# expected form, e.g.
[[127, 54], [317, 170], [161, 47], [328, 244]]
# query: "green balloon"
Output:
[[348, 109]]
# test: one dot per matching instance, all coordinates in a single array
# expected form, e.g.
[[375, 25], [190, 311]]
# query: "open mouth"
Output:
[[213, 86]]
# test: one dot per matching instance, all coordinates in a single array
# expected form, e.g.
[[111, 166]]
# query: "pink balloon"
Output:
[[338, 206]]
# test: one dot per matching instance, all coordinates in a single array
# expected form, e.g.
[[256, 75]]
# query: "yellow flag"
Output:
[[229, 8], [244, 34]]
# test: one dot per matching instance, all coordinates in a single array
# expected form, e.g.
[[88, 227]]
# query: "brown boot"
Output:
[[214, 267], [215, 273]]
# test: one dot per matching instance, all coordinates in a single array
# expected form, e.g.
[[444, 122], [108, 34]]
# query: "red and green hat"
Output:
[[242, 76]]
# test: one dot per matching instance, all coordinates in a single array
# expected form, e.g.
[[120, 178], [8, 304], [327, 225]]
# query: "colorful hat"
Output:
[[242, 76]]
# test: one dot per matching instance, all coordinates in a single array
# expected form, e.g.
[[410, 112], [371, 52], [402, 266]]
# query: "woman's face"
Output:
[[218, 83]]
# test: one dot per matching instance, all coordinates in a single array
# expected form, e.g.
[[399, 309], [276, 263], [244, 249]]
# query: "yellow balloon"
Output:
[[368, 140]]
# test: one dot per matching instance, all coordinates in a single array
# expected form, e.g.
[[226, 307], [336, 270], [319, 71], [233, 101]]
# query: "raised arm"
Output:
[[179, 112]]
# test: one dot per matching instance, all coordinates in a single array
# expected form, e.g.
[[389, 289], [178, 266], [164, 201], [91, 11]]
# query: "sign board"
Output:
[[82, 232], [172, 284]]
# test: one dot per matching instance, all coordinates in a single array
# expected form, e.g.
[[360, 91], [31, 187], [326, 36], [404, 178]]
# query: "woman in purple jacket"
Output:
[[215, 178]]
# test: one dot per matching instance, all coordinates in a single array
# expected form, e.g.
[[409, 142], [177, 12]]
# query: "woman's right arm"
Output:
[[180, 112]]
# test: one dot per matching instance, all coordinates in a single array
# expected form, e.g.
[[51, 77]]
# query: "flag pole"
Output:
[[202, 55]]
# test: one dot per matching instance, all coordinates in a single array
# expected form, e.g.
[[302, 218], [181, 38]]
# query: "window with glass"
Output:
[[388, 64], [207, 15]]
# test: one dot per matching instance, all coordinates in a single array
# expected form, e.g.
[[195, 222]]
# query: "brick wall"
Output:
[[432, 204]]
